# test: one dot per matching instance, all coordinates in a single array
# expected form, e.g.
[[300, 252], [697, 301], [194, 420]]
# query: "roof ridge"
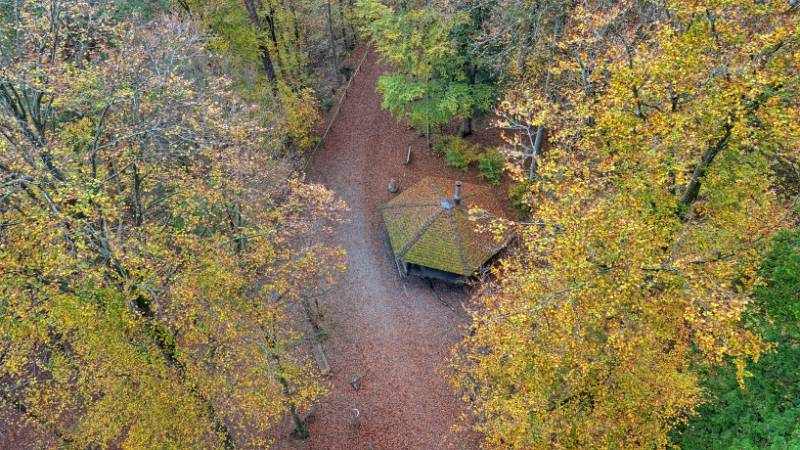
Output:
[[457, 236], [409, 204], [418, 234]]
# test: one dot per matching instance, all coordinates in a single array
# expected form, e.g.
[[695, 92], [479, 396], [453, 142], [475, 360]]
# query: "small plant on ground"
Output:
[[439, 144], [327, 104], [458, 153], [491, 165], [460, 159]]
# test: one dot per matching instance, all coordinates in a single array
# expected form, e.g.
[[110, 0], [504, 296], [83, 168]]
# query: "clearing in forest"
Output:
[[394, 334]]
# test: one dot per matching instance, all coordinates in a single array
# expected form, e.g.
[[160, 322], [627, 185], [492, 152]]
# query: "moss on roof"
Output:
[[426, 228]]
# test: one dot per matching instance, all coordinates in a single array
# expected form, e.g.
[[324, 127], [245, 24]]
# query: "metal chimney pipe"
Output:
[[457, 197]]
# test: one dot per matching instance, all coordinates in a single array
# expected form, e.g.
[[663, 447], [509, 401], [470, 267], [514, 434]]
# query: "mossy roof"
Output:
[[427, 228]]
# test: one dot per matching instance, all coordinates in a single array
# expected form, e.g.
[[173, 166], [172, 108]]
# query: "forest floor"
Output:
[[396, 334]]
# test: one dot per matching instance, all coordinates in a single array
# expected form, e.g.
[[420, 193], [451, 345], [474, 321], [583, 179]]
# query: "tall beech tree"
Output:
[[656, 202], [291, 41], [279, 54], [149, 249]]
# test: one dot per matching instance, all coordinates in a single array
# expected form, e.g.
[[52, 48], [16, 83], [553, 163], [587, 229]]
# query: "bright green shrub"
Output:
[[459, 159], [491, 166], [458, 152]]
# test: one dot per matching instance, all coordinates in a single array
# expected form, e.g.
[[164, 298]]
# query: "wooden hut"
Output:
[[431, 233]]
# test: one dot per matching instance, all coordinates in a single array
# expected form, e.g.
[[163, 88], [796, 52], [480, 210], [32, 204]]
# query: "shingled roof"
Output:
[[428, 228]]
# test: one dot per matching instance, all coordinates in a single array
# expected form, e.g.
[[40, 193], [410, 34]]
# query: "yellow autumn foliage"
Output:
[[658, 198]]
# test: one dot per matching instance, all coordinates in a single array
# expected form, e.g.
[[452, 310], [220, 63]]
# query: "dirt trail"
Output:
[[396, 333]]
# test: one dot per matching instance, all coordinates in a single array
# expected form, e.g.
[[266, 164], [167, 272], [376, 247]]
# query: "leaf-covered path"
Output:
[[395, 333]]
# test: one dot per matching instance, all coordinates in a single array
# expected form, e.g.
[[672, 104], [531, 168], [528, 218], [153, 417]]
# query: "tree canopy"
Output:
[[159, 243], [434, 81], [149, 247], [764, 413], [656, 201]]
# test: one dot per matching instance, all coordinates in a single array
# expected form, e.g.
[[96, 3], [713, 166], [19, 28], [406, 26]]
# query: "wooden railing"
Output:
[[310, 155]]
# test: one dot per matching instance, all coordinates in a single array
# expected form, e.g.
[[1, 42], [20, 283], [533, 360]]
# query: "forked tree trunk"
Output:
[[300, 429]]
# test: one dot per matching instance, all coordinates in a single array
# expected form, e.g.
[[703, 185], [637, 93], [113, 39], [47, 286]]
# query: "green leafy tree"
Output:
[[432, 81], [779, 296]]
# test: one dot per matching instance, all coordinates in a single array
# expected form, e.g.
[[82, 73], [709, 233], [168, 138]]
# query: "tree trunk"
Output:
[[332, 36], [271, 23], [294, 21], [311, 315], [136, 196], [300, 428], [274, 37], [291, 147], [345, 38], [693, 188], [352, 25], [466, 127], [537, 147], [266, 59], [428, 135]]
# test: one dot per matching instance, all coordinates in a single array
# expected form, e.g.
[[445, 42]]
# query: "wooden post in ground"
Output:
[[428, 138], [322, 359]]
